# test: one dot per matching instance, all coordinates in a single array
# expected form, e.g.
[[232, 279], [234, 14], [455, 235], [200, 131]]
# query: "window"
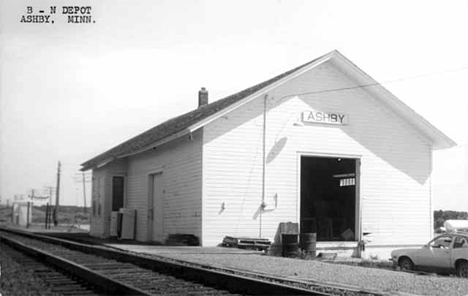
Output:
[[347, 182], [460, 242], [117, 193], [97, 194], [442, 242]]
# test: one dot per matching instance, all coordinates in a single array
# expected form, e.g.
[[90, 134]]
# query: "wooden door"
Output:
[[155, 209]]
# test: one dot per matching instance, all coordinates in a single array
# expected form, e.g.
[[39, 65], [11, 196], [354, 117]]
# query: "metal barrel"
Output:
[[290, 244], [308, 243]]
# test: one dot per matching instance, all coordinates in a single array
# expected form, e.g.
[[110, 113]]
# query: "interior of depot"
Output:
[[329, 197]]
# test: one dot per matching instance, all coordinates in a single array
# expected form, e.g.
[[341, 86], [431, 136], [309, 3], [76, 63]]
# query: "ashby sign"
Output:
[[324, 117]]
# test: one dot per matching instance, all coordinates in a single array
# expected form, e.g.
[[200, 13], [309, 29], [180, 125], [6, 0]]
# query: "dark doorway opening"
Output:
[[329, 197], [117, 193]]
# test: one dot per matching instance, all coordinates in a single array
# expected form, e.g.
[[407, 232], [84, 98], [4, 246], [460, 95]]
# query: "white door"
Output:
[[155, 208]]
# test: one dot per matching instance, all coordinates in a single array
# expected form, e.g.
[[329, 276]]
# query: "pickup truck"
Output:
[[445, 253]]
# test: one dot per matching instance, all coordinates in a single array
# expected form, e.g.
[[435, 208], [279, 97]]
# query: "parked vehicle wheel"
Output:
[[462, 269], [406, 264]]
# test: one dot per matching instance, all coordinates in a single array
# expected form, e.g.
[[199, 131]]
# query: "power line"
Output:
[[378, 83], [80, 181]]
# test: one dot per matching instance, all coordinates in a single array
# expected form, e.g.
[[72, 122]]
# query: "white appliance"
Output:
[[127, 227], [114, 224]]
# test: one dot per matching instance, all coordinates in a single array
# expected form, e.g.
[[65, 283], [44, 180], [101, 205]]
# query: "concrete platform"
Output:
[[233, 258], [80, 233]]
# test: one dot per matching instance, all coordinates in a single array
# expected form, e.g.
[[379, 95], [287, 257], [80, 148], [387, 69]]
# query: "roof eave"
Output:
[[437, 138], [261, 92], [442, 141], [86, 167], [158, 143]]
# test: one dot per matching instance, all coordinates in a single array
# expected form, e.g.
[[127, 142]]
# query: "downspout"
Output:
[[262, 205], [431, 209]]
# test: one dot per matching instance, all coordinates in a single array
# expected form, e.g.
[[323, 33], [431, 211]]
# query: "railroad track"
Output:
[[118, 272], [58, 282]]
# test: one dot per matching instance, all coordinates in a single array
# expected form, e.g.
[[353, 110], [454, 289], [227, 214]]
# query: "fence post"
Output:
[[47, 215], [27, 216]]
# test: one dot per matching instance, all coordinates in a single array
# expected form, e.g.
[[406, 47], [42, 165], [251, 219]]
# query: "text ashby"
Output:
[[35, 19], [324, 117]]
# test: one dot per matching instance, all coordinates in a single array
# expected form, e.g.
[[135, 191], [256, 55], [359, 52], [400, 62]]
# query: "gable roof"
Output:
[[176, 125], [189, 122]]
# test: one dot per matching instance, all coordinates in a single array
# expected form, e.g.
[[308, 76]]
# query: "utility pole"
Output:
[[84, 193], [57, 196]]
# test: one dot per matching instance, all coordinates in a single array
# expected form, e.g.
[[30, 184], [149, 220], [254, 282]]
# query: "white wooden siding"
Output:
[[395, 161], [96, 225], [180, 162], [100, 223]]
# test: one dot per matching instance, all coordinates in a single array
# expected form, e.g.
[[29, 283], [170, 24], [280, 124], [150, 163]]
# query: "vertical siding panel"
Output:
[[96, 225], [395, 161], [100, 224], [180, 162]]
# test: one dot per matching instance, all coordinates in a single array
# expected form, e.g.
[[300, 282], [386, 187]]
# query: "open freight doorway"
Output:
[[330, 198]]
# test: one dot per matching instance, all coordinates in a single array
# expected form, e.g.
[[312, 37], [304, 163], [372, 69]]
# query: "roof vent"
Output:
[[202, 97]]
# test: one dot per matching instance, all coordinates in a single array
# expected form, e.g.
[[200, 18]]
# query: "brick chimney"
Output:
[[202, 97]]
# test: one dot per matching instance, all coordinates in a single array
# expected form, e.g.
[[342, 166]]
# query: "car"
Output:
[[445, 253]]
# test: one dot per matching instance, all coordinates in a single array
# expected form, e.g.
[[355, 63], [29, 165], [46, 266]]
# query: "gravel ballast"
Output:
[[388, 281], [15, 279]]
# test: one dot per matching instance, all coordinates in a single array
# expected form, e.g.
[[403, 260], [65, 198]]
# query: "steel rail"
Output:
[[229, 279], [56, 282], [95, 279]]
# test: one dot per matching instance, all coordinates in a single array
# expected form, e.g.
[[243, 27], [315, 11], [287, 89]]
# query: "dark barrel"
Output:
[[290, 244], [308, 243]]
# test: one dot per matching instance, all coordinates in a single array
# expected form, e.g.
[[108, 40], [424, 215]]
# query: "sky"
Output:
[[69, 91]]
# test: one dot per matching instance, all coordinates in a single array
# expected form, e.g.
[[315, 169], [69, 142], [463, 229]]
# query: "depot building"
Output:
[[322, 145]]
